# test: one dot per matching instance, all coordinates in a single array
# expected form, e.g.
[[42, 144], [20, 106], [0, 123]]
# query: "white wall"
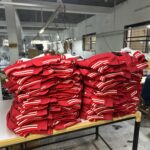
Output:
[[103, 24], [77, 48], [109, 43]]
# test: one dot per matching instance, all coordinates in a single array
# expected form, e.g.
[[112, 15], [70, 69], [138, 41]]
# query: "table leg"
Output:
[[136, 130], [23, 146], [97, 133]]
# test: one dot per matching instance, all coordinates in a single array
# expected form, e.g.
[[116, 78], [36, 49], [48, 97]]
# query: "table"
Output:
[[8, 138]]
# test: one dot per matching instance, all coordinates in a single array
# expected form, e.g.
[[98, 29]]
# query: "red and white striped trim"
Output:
[[95, 117], [89, 112], [20, 123], [101, 84], [66, 70], [142, 65], [99, 63], [94, 105], [133, 93], [137, 54], [7, 71], [100, 108], [107, 93], [136, 98], [26, 128], [105, 111], [101, 69], [130, 87], [20, 81], [50, 61], [100, 101], [28, 115], [30, 103], [92, 74], [109, 86], [26, 72], [29, 84], [74, 100]]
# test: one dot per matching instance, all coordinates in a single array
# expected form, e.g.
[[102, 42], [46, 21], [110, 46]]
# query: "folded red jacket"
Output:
[[38, 102], [27, 72], [63, 125], [39, 113], [37, 126]]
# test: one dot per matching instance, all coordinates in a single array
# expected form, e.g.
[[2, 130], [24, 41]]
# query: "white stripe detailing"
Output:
[[24, 116], [21, 80], [103, 111], [28, 84], [22, 73], [14, 68], [25, 129], [142, 65], [30, 102], [31, 125], [95, 117], [27, 114], [19, 123], [50, 61], [98, 63]]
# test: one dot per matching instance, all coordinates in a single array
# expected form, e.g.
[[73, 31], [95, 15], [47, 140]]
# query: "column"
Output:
[[14, 32]]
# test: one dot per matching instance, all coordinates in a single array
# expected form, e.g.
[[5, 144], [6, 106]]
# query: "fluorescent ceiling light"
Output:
[[41, 31], [148, 26], [57, 36]]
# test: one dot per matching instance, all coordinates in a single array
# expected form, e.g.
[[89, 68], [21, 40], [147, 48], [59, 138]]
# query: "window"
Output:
[[138, 37], [89, 42]]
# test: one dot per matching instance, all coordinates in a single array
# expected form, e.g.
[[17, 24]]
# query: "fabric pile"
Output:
[[47, 94], [111, 84]]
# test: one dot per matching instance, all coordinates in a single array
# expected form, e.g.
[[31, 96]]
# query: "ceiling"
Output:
[[104, 3], [37, 15]]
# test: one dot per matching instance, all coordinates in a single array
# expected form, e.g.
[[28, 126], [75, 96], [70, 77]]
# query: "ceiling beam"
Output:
[[51, 6], [32, 32], [39, 24]]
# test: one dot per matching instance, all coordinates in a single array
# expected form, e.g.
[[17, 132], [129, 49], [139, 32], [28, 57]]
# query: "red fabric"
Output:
[[47, 92], [111, 84]]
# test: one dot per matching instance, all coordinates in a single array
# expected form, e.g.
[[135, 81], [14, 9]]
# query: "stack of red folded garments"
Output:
[[111, 84], [47, 94]]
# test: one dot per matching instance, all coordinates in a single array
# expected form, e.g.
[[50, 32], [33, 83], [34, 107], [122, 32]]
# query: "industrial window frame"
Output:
[[91, 44], [137, 38]]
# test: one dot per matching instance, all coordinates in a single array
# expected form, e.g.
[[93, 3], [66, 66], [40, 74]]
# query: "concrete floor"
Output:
[[119, 136]]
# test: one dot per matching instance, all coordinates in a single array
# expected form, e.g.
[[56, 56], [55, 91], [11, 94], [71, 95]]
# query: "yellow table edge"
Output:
[[81, 125]]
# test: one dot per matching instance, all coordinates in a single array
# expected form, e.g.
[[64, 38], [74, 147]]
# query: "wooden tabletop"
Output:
[[7, 137]]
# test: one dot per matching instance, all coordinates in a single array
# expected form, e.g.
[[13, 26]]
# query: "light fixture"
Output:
[[148, 26], [53, 16], [57, 37], [41, 31]]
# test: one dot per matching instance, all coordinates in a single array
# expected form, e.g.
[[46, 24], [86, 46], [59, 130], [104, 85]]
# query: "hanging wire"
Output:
[[57, 31], [85, 24], [114, 14], [64, 15], [107, 44], [114, 23], [42, 21]]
